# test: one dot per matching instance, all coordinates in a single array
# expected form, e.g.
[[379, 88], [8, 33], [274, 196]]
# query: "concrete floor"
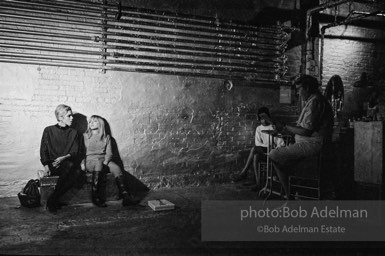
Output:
[[136, 230]]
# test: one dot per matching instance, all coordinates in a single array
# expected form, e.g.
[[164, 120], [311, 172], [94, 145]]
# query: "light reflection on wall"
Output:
[[349, 58]]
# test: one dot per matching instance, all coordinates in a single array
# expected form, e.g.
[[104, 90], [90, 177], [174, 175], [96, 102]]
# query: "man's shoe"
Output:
[[51, 206], [99, 203], [128, 200]]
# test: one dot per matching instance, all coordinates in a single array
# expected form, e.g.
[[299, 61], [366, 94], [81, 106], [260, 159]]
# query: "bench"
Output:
[[74, 195]]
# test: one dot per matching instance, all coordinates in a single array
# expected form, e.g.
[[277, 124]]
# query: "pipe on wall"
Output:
[[231, 41], [319, 8], [154, 22], [256, 78], [253, 61], [346, 21], [176, 64], [49, 27], [58, 6], [149, 21], [200, 22], [203, 52], [160, 60], [308, 23], [155, 41]]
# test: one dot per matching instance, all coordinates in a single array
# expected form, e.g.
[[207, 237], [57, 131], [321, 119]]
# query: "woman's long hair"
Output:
[[102, 129], [334, 88]]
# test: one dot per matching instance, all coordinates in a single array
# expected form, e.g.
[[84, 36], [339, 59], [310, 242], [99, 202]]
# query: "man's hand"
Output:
[[44, 173], [58, 161], [279, 126]]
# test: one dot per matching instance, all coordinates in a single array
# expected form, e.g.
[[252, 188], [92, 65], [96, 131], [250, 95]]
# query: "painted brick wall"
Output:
[[349, 58], [170, 130]]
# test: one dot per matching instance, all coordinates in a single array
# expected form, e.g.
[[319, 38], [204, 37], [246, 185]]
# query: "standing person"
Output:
[[98, 156], [60, 154], [258, 152], [359, 97], [313, 130]]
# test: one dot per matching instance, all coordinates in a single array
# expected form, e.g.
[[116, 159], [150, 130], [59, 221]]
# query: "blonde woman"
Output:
[[98, 156]]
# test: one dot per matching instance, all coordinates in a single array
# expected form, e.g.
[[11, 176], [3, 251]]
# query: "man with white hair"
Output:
[[60, 154]]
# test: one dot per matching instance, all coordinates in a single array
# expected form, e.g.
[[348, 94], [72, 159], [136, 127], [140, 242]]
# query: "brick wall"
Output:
[[349, 58], [170, 130]]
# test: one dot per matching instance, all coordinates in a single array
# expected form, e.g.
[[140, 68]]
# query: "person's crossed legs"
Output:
[[283, 158]]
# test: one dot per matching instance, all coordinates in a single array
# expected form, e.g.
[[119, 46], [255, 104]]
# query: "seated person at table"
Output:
[[313, 130], [258, 152], [98, 157], [60, 154]]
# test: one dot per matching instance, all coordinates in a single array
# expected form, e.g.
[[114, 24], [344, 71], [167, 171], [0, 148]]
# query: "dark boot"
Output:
[[52, 204], [126, 196], [62, 186], [97, 190]]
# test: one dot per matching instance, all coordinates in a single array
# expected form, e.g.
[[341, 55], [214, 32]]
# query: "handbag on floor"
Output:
[[30, 195]]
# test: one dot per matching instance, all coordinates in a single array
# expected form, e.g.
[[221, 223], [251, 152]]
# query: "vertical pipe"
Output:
[[319, 8], [104, 36], [308, 23], [321, 55]]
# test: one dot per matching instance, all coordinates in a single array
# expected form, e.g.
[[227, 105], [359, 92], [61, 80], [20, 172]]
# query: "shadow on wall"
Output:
[[80, 124], [132, 182]]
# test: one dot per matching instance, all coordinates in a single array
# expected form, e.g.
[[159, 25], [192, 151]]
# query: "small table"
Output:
[[268, 188]]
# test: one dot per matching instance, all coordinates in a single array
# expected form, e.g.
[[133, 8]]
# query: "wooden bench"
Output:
[[74, 195]]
